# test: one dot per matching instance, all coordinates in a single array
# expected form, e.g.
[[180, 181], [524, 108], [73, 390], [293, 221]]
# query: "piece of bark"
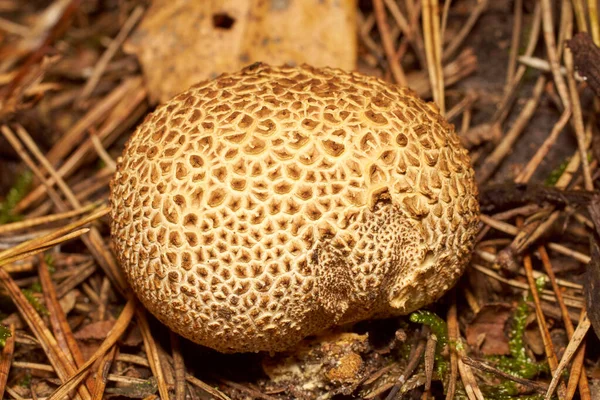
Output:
[[586, 56], [592, 272], [502, 196]]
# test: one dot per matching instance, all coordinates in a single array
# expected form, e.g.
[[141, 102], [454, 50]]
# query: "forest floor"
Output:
[[76, 79]]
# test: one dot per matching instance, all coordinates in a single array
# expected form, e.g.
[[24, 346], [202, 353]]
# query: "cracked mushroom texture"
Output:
[[267, 205]]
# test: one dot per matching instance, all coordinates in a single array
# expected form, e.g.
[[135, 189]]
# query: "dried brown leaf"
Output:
[[95, 330], [490, 321], [180, 43]]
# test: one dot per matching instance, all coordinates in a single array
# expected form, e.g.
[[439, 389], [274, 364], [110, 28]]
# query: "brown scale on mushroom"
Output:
[[266, 205]]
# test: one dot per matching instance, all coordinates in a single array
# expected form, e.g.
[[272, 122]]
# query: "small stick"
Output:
[[469, 382], [429, 360], [109, 53], [575, 303], [364, 27], [557, 291], [594, 20], [432, 51], [46, 219], [454, 45], [102, 153], [542, 325], [576, 105], [509, 95], [94, 242], [492, 162], [178, 366], [514, 44], [538, 387], [580, 15], [548, 30], [6, 360], [152, 353], [115, 333], [543, 150], [102, 373], [578, 337], [543, 65], [445, 13], [388, 45], [414, 359], [452, 321]]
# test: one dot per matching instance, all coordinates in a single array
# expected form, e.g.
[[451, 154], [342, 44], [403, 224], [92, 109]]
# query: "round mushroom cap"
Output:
[[267, 205]]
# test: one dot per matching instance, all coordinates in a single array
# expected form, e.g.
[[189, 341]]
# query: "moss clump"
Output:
[[14, 196], [555, 175], [4, 334], [49, 260], [39, 307], [440, 330]]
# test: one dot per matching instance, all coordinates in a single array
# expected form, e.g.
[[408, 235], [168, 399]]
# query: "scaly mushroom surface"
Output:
[[266, 205]]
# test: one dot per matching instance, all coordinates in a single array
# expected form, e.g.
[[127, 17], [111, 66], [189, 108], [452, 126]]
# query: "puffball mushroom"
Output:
[[267, 205]]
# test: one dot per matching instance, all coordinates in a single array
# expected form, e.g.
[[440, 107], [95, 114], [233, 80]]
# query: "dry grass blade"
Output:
[[453, 334], [553, 56], [56, 234], [410, 33], [542, 325], [413, 362], [576, 340], [510, 92], [42, 247], [33, 222], [58, 319], [488, 368], [580, 15], [75, 135], [514, 45], [128, 26], [429, 360], [6, 359], [457, 41], [491, 163], [594, 21], [468, 379], [543, 150], [102, 153], [575, 104], [178, 366], [115, 333], [578, 369], [152, 354], [388, 45], [431, 35], [94, 242], [462, 66], [100, 378], [95, 115], [63, 366], [208, 389]]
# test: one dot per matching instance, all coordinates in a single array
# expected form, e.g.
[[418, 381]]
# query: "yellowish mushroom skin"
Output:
[[267, 205]]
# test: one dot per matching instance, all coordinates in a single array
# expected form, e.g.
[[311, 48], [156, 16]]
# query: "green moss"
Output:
[[39, 307], [36, 287], [437, 325], [50, 262], [440, 330], [4, 334], [518, 363], [14, 196], [555, 175], [25, 381]]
